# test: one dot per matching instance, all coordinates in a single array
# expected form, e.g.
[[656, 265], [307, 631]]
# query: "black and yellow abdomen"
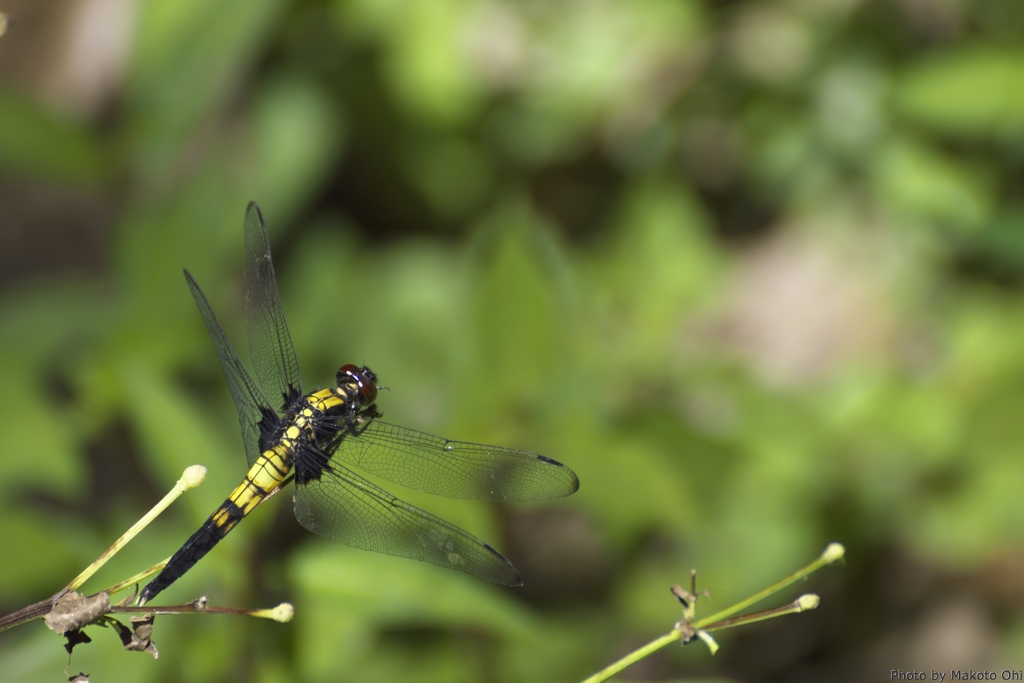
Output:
[[268, 472]]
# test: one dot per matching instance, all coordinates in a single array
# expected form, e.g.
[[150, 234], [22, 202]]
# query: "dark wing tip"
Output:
[[511, 577], [253, 206], [574, 481]]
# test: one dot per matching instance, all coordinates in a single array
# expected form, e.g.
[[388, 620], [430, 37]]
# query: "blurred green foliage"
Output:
[[754, 270]]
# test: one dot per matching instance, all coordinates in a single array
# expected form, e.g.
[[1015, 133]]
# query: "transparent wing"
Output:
[[345, 507], [249, 400], [454, 469], [270, 345]]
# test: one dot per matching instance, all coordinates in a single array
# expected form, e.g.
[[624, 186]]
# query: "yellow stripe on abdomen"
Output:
[[274, 464], [264, 476]]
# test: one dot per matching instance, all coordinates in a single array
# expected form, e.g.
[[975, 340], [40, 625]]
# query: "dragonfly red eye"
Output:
[[362, 376]]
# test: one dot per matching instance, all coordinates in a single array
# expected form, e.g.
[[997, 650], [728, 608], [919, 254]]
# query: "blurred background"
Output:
[[754, 270]]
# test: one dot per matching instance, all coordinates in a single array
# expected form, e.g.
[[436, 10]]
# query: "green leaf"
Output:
[[347, 595], [190, 58], [974, 91], [296, 133], [931, 186]]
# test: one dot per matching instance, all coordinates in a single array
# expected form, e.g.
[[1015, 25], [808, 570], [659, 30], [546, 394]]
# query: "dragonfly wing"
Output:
[[270, 344], [345, 507], [253, 408], [454, 469]]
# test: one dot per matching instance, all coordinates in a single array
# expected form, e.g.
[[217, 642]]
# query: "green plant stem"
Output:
[[802, 604], [634, 657], [190, 478], [720, 620], [144, 574], [830, 555], [282, 612]]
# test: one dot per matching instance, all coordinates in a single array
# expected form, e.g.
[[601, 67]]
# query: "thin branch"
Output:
[[686, 630], [192, 476]]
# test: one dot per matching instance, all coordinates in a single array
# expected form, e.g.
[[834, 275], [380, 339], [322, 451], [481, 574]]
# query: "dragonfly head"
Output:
[[362, 377]]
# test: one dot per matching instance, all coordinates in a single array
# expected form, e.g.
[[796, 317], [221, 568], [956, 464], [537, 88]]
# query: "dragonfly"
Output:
[[317, 439]]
